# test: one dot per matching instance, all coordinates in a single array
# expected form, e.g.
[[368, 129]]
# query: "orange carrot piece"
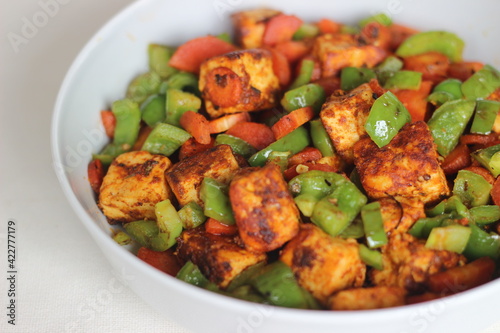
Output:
[[483, 140], [224, 123], [377, 34], [433, 65], [462, 278], [196, 125], [399, 33], [463, 70], [308, 154], [281, 67], [329, 84], [224, 87], [214, 227], [256, 134], [495, 192], [192, 147], [95, 173], [292, 121], [189, 56], [415, 100], [109, 122], [141, 138], [327, 26], [456, 160], [280, 28], [164, 261], [293, 50]]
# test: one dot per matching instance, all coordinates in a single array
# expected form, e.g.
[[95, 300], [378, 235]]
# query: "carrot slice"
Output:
[[329, 84], [141, 138], [308, 154], [95, 173], [495, 192], [214, 227], [461, 278], [463, 70], [433, 65], [327, 26], [416, 100], [281, 67], [256, 134], [164, 261], [456, 160], [280, 28], [189, 56], [292, 121], [224, 123], [293, 50], [196, 125], [480, 139], [192, 147], [109, 122], [224, 87]]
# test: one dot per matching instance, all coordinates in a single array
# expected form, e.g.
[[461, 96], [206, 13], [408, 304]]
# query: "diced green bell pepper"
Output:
[[109, 153], [311, 94], [482, 83], [448, 123], [373, 225], [452, 205], [485, 214], [489, 158], [370, 257], [153, 110], [244, 277], [159, 55], [352, 77], [192, 215], [169, 226], [239, 146], [484, 117], [403, 80], [445, 91], [354, 230], [443, 42], [387, 116], [306, 30], [321, 139], [472, 189], [216, 201], [305, 74], [184, 81], [423, 227], [142, 231], [191, 274], [482, 244], [128, 121], [143, 86], [381, 18], [122, 238], [280, 158], [451, 238], [165, 139], [178, 102]]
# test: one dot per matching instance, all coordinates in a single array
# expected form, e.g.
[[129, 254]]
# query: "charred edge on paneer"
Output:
[[250, 25]]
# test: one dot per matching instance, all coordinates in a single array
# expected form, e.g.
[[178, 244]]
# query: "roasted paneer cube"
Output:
[[134, 184], [336, 51], [250, 25], [239, 81], [186, 176], [392, 212], [368, 298], [408, 263], [407, 167], [219, 258], [344, 115], [264, 210], [324, 264]]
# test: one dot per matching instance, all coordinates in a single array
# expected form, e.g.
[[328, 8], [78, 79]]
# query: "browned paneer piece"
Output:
[[249, 26], [368, 298], [324, 264], [264, 210], [219, 258], [406, 168], [392, 212], [134, 184], [239, 81], [186, 176], [408, 263], [344, 115], [336, 51]]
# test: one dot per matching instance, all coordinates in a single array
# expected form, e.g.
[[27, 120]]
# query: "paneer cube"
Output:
[[344, 115], [264, 210], [134, 184], [186, 176], [219, 258], [408, 263], [249, 26], [336, 51], [239, 81], [324, 264], [407, 167], [368, 298], [392, 212]]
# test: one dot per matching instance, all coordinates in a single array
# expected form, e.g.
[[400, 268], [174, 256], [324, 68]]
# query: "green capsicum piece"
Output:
[[128, 121], [373, 225], [486, 214], [443, 42], [244, 277], [158, 56], [239, 146], [294, 141], [387, 116], [184, 81], [371, 257], [489, 158], [482, 83], [191, 274], [403, 80], [352, 77], [423, 226], [447, 90], [354, 230], [216, 201], [306, 30], [305, 74], [153, 110], [472, 189], [142, 231], [165, 139], [321, 139], [191, 215], [143, 86], [311, 94], [109, 153], [280, 158], [178, 102], [448, 123], [122, 238], [169, 226], [452, 205], [387, 68], [381, 18], [451, 238], [482, 244], [484, 117]]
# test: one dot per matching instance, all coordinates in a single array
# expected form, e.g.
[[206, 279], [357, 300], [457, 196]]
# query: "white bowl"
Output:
[[117, 53]]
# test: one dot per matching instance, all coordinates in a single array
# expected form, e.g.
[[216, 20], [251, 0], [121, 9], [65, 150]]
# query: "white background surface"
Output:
[[63, 283]]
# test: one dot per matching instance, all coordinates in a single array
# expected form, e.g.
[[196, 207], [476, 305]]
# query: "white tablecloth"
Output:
[[63, 284]]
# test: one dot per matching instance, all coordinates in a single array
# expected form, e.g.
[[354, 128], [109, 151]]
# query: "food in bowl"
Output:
[[309, 165]]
